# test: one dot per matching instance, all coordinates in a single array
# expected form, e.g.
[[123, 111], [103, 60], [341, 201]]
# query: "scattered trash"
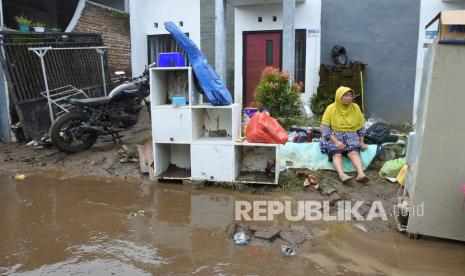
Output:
[[379, 133], [240, 238], [402, 212], [126, 156], [44, 142], [297, 137], [32, 143], [262, 128], [391, 168], [140, 213], [267, 234], [386, 154], [310, 180], [20, 176], [287, 251], [402, 175]]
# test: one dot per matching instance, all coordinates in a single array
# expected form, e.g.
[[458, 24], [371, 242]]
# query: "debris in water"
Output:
[[20, 176], [267, 234], [240, 239], [287, 251], [140, 213]]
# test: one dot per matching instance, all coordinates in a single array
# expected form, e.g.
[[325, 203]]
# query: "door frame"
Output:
[[244, 55]]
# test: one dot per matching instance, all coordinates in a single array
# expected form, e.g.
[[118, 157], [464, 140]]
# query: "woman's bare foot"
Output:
[[345, 178], [362, 178]]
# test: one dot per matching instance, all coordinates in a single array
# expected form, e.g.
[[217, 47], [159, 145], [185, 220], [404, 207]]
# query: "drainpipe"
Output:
[[288, 36], [220, 38]]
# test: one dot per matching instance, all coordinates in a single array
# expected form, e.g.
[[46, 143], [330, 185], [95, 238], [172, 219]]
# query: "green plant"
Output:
[[280, 95], [38, 24], [23, 20], [319, 102]]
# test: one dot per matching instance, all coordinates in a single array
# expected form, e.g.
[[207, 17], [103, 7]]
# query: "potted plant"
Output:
[[24, 23], [39, 27]]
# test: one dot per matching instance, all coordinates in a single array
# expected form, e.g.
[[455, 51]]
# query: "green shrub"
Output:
[[280, 95], [319, 102]]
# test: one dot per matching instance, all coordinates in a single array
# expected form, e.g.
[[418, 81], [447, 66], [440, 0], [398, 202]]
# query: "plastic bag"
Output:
[[262, 128], [391, 168], [240, 238]]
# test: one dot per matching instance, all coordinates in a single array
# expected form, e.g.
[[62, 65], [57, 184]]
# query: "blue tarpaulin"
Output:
[[213, 87]]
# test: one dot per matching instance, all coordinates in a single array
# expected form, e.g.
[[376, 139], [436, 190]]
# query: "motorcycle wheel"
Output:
[[66, 135]]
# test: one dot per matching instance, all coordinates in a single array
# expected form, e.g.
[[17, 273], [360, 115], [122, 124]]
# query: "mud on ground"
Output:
[[103, 160]]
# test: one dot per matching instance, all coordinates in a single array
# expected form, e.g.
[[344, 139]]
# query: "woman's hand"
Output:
[[339, 145], [363, 147]]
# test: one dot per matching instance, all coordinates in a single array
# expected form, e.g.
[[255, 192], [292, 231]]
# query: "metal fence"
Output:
[[79, 68]]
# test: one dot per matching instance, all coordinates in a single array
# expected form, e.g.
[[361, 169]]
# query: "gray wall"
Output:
[[207, 37], [384, 35]]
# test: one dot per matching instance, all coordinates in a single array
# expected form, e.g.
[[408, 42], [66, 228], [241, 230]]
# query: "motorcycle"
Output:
[[79, 129]]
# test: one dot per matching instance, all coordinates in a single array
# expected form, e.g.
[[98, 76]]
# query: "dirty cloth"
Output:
[[341, 117], [309, 156]]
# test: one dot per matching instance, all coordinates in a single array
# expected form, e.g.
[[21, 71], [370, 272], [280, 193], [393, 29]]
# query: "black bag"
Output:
[[379, 133]]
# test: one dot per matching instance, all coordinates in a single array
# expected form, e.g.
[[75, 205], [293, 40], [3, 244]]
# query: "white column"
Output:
[[289, 36], [220, 38]]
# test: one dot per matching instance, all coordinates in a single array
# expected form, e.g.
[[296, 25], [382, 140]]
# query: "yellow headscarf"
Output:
[[341, 117]]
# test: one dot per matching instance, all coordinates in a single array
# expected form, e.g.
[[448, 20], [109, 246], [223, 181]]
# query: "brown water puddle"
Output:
[[54, 223]]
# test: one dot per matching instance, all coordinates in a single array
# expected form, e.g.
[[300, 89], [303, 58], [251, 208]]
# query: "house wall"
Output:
[[114, 26], [144, 13], [207, 37], [307, 16], [429, 9], [384, 35]]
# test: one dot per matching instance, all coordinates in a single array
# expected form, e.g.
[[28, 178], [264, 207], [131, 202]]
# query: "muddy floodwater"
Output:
[[53, 223]]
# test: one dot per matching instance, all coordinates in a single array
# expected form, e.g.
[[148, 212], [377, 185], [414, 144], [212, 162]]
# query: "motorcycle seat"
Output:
[[90, 102]]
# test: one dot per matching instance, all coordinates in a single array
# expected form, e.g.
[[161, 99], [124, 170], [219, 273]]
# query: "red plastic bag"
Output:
[[262, 128]]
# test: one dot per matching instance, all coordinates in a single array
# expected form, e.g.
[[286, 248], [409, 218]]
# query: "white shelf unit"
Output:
[[166, 82], [215, 124], [198, 141], [256, 163], [171, 124], [212, 162], [172, 161]]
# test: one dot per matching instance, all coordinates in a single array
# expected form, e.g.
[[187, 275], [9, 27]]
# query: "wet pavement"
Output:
[[54, 223]]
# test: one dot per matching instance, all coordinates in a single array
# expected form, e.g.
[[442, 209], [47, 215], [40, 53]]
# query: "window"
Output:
[[269, 52], [161, 44], [300, 55]]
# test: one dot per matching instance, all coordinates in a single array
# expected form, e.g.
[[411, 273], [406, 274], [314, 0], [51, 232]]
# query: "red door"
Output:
[[260, 50]]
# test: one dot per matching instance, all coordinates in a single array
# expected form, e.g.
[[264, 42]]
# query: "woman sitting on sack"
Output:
[[342, 133]]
